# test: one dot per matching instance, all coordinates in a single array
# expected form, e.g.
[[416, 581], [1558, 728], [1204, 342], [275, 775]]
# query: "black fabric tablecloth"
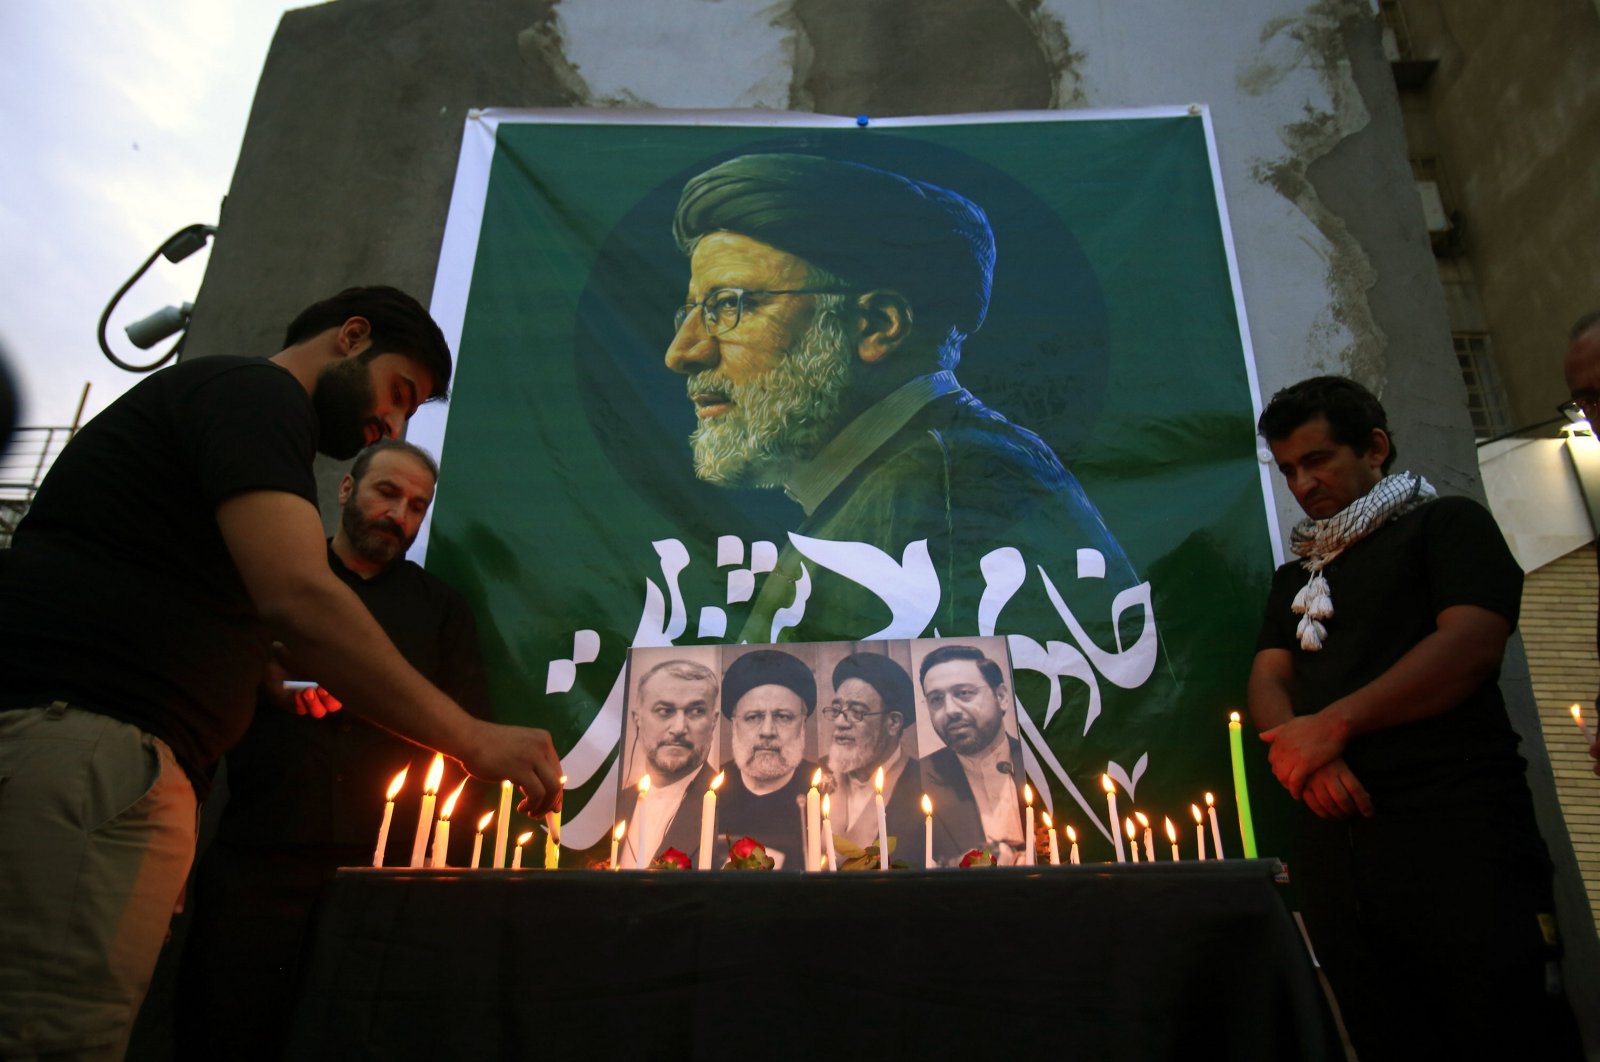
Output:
[[1191, 961]]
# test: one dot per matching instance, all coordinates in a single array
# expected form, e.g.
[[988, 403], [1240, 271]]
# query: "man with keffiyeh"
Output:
[[1425, 884]]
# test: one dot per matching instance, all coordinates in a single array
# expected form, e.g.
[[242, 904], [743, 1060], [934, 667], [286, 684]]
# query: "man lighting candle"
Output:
[[1374, 685]]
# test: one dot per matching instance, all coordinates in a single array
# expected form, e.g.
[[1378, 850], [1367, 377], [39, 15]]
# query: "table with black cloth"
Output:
[[1136, 962]]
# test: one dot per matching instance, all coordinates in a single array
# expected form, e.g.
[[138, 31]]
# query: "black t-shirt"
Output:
[[1388, 590], [120, 595], [299, 780]]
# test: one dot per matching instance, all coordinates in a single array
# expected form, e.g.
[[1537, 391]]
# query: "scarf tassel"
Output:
[[1311, 634]]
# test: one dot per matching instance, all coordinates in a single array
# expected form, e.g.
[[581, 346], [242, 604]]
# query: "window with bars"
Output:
[[1485, 397]]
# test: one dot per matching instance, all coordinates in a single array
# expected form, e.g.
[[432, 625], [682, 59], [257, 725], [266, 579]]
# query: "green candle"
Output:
[[1241, 793]]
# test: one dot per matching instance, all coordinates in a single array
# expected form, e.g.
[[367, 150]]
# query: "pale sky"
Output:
[[120, 123]]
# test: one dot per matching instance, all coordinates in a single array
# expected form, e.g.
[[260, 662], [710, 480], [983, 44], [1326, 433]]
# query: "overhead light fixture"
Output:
[[148, 331]]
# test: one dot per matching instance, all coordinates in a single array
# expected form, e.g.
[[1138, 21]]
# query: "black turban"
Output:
[[869, 227], [885, 676], [767, 667]]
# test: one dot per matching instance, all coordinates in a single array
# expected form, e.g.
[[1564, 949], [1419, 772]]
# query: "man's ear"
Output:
[[884, 320], [896, 720], [347, 486], [354, 336], [1378, 448]]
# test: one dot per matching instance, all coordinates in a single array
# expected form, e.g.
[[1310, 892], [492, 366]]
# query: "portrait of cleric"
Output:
[[971, 766], [669, 731], [819, 343]]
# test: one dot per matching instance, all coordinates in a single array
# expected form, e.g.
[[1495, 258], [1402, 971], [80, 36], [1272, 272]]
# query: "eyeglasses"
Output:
[[856, 713], [723, 308]]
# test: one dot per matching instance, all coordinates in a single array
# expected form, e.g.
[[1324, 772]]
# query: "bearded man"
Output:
[[827, 305], [672, 720], [306, 785], [872, 722], [767, 696]]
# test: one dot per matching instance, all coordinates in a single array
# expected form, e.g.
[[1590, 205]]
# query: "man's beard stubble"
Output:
[[343, 401], [781, 419], [766, 764], [368, 539], [846, 759]]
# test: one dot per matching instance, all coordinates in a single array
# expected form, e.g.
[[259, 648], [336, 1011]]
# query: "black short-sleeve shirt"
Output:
[[1388, 590], [119, 594]]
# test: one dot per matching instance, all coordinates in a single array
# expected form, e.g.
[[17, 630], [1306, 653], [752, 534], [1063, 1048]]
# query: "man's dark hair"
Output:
[[885, 676], [946, 653], [1351, 410], [359, 470], [1583, 324], [399, 326]]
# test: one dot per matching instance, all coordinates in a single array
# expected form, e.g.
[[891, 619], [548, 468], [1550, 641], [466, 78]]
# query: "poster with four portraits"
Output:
[[936, 714]]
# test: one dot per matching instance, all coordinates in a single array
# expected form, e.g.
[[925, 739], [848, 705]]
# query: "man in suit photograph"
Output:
[[673, 720]]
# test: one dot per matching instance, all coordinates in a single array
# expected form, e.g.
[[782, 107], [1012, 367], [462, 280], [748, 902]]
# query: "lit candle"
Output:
[[1027, 825], [516, 860], [430, 794], [1172, 835], [1133, 841], [1055, 847], [477, 842], [1111, 802], [1216, 833], [1149, 843], [883, 821], [388, 815], [1199, 832], [1577, 717], [502, 826], [927, 831], [1072, 837], [827, 835], [616, 839], [814, 822], [708, 822], [1241, 792], [641, 831], [441, 832], [552, 829]]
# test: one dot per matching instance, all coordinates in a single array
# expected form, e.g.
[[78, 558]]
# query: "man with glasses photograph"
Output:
[[873, 724]]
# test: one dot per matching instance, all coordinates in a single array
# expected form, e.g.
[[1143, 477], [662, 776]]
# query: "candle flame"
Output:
[[450, 802], [622, 829], [524, 839], [1045, 815], [1210, 800], [1072, 835], [1131, 831], [1577, 715], [1195, 810], [398, 784], [1027, 794], [1105, 783], [505, 785], [877, 780], [1233, 717], [435, 774], [483, 823], [716, 783], [1172, 831], [816, 778], [1142, 820], [825, 804], [644, 784], [927, 804]]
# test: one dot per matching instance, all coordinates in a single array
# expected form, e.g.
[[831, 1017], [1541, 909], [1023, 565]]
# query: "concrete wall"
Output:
[[347, 163]]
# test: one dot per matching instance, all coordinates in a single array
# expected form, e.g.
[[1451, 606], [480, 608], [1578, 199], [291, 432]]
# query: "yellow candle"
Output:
[[827, 835], [477, 842], [1172, 836], [616, 839], [1577, 717], [441, 832], [1241, 791], [814, 822], [708, 822], [927, 831], [430, 794], [1111, 802], [1199, 832], [1216, 833], [1072, 836], [516, 861], [1027, 826], [552, 829], [502, 826], [641, 830], [883, 821], [388, 816], [1055, 847]]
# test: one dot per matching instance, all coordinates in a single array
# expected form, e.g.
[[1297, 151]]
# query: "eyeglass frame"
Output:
[[832, 713], [682, 313]]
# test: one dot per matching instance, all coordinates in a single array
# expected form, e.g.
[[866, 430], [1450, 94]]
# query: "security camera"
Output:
[[148, 331]]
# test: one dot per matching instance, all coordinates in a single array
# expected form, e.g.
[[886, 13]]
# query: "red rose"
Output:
[[744, 848], [747, 853], [977, 857]]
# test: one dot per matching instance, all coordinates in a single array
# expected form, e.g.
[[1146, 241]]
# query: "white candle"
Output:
[[430, 790], [708, 822], [502, 826], [1199, 832], [441, 832], [827, 835], [1055, 845], [814, 822], [552, 829], [883, 821], [516, 860], [1072, 835], [477, 842], [1172, 836], [641, 825], [927, 832], [1133, 840], [1027, 825], [1216, 833], [388, 816], [616, 839], [1577, 717], [1116, 821], [1149, 843]]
